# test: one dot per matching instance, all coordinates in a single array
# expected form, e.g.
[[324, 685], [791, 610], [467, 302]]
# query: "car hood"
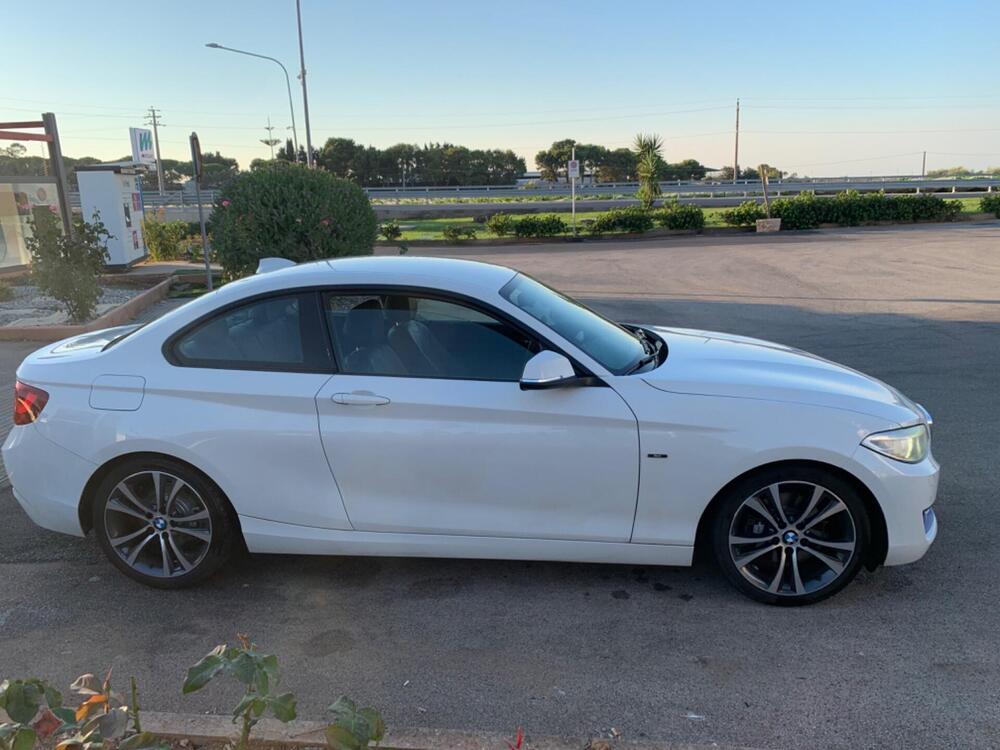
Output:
[[721, 364]]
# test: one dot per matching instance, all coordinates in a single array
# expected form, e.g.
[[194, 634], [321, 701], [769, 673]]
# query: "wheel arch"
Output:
[[880, 536], [88, 496]]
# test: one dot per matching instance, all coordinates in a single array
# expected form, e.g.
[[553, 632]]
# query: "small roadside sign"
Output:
[[573, 169]]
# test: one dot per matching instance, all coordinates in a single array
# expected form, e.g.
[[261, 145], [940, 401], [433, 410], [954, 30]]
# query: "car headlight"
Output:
[[908, 444]]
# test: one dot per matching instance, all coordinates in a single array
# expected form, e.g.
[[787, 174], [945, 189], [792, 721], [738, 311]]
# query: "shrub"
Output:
[[633, 219], [455, 234], [744, 215], [546, 225], [68, 268], [801, 212], [163, 238], [990, 204], [680, 216], [290, 211], [390, 230], [501, 224]]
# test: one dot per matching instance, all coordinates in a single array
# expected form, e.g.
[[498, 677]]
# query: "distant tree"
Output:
[[286, 152], [15, 151], [618, 166], [689, 169], [552, 161], [338, 155]]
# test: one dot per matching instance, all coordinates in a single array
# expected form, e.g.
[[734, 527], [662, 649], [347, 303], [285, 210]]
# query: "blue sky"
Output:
[[827, 88]]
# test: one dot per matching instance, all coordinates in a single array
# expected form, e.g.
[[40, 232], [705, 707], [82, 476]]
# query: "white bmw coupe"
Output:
[[408, 406]]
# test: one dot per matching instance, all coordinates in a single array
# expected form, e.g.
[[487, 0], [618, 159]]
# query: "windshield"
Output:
[[608, 343]]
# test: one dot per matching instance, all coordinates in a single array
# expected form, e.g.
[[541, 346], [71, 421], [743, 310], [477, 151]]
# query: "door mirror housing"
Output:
[[547, 369]]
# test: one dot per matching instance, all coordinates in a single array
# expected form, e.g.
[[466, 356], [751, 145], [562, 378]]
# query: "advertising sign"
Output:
[[142, 146]]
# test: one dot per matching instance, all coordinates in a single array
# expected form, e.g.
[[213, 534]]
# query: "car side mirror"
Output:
[[547, 369]]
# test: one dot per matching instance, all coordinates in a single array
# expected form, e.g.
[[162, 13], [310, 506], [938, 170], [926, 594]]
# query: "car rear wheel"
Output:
[[791, 536], [162, 523]]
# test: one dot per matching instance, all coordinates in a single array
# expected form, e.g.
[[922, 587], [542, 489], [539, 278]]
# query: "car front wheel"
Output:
[[791, 536], [162, 523]]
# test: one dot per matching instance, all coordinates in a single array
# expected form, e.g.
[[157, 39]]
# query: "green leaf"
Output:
[[23, 701], [375, 723], [283, 707], [66, 715], [201, 673], [114, 723], [53, 697], [24, 739], [244, 668], [339, 738]]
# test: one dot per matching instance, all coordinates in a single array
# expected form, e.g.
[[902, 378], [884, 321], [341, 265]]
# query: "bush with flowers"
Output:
[[289, 211]]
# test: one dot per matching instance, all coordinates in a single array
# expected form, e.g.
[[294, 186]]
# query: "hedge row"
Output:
[[990, 204], [850, 208], [636, 220]]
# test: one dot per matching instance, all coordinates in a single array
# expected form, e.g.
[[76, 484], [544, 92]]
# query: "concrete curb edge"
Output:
[[204, 728]]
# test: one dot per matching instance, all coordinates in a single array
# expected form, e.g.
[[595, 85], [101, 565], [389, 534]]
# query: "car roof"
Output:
[[449, 274]]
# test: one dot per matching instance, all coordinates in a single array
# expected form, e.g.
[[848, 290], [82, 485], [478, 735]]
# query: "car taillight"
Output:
[[28, 402]]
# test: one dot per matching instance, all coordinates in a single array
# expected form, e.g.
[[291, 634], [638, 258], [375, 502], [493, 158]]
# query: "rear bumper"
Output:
[[48, 480], [906, 494]]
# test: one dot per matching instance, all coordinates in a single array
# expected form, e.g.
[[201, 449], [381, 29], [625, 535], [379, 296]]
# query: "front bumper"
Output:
[[48, 480], [905, 492]]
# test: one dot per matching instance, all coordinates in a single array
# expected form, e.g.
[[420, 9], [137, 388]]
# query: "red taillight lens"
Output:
[[28, 402]]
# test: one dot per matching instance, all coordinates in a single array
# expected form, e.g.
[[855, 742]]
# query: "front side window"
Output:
[[606, 342], [270, 333], [418, 336]]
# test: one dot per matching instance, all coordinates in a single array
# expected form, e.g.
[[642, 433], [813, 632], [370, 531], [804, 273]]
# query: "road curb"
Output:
[[210, 728]]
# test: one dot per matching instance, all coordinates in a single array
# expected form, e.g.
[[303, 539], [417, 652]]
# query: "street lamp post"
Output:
[[305, 94], [288, 83]]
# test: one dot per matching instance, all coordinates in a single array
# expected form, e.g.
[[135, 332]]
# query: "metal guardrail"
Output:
[[689, 188]]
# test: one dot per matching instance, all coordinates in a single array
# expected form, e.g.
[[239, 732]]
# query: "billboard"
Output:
[[142, 146]]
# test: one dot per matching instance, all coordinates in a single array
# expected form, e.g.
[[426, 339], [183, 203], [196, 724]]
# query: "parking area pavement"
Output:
[[904, 657]]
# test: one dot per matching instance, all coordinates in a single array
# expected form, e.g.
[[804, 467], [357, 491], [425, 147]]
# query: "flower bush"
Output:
[[289, 211]]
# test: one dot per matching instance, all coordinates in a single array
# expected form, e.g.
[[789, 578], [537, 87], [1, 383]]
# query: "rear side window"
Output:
[[272, 333], [406, 335]]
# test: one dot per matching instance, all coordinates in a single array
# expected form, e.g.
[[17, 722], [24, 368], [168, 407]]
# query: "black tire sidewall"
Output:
[[745, 487], [223, 528]]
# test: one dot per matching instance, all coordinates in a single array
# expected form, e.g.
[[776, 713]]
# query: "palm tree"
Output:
[[649, 164]]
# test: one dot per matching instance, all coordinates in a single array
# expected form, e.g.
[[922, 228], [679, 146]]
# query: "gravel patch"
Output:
[[30, 306]]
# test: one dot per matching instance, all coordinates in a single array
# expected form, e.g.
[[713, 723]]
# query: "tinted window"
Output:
[[408, 335], [270, 333], [607, 342]]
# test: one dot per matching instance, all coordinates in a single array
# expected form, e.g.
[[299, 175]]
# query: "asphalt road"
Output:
[[904, 657]]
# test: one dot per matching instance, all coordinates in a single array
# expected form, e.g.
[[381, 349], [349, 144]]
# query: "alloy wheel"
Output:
[[158, 524], [792, 538]]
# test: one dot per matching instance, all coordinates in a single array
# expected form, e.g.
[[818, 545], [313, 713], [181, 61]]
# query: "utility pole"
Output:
[[305, 93], [270, 140], [151, 119], [736, 154], [923, 166]]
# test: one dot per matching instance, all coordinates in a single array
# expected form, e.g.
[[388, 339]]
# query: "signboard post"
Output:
[[573, 172], [196, 170]]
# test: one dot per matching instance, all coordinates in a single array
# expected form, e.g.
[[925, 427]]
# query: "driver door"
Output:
[[428, 431]]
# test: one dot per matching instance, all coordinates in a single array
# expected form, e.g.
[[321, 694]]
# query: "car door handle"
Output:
[[359, 399]]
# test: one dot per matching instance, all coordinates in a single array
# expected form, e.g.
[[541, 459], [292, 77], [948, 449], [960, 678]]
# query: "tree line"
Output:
[[413, 165]]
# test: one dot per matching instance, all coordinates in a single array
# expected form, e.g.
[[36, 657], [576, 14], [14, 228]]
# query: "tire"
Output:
[[176, 541], [799, 552]]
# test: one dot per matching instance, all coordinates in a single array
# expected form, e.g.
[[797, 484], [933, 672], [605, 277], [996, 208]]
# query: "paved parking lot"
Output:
[[905, 657]]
